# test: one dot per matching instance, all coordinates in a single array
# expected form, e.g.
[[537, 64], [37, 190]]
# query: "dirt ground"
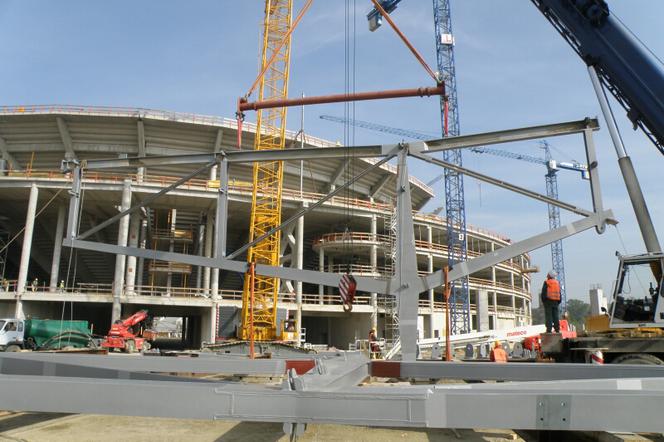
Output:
[[74, 428]]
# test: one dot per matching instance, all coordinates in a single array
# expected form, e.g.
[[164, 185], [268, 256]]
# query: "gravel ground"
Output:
[[73, 428]]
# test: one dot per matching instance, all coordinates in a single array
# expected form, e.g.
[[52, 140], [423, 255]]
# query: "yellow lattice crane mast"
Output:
[[268, 175]]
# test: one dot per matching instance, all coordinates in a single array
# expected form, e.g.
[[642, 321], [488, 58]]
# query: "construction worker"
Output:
[[374, 348], [62, 286], [35, 283], [498, 353], [550, 298]]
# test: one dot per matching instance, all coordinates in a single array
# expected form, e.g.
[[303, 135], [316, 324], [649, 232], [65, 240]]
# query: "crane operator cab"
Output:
[[637, 300]]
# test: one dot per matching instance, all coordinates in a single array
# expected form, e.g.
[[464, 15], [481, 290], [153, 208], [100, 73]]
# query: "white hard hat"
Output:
[[552, 274]]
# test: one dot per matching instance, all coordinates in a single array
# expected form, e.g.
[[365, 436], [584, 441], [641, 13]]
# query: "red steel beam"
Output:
[[244, 105]]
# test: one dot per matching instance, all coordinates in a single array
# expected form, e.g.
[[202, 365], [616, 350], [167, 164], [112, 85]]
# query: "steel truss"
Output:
[[591, 398], [405, 283]]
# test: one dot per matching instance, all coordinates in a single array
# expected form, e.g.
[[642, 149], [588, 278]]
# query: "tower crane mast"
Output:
[[455, 206], [268, 176]]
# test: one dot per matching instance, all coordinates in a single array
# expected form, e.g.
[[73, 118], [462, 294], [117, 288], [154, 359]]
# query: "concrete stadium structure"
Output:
[[351, 232]]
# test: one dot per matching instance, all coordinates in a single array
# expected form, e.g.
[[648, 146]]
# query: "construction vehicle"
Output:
[[632, 330], [36, 334], [123, 337]]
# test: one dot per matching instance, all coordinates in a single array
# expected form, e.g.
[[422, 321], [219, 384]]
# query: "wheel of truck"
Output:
[[130, 346], [146, 346], [638, 359], [13, 348]]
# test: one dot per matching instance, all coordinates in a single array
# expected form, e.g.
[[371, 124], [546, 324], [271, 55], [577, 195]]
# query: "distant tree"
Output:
[[578, 310], [538, 315]]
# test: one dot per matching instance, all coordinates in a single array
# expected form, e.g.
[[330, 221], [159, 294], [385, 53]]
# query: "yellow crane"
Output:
[[260, 313]]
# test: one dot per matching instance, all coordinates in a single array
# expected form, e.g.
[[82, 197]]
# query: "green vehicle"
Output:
[[43, 334]]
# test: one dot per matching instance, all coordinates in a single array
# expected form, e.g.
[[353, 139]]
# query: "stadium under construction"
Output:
[[351, 233]]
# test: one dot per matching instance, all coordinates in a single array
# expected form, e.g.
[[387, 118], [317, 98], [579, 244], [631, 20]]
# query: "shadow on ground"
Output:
[[20, 420]]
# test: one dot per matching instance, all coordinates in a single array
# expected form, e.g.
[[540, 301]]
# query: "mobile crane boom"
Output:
[[624, 65]]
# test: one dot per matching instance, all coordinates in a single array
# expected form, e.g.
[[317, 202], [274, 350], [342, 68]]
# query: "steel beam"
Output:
[[203, 364], [523, 371], [405, 282], [504, 184], [146, 201], [337, 174], [311, 207], [7, 156], [380, 185], [533, 243], [606, 405], [511, 135], [338, 98], [140, 130], [593, 172], [308, 276], [66, 138], [244, 156]]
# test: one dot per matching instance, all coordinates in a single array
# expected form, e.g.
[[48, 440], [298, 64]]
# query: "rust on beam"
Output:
[[244, 105]]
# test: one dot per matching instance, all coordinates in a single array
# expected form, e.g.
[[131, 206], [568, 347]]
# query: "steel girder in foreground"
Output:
[[330, 393], [405, 283]]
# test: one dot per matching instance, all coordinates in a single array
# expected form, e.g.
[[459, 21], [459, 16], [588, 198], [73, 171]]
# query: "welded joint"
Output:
[[418, 146], [293, 383], [553, 412]]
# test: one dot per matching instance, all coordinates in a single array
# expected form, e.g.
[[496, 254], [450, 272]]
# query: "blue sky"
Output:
[[513, 70]]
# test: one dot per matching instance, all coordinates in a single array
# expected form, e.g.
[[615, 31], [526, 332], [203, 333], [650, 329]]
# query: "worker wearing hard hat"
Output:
[[498, 353], [550, 298]]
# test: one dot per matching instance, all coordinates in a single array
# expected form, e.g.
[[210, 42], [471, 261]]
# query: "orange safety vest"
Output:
[[552, 290], [498, 355]]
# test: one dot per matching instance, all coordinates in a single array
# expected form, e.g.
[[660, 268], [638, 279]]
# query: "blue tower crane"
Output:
[[551, 178], [455, 206]]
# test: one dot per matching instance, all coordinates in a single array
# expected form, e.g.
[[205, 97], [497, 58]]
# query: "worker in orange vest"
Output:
[[550, 298], [498, 353]]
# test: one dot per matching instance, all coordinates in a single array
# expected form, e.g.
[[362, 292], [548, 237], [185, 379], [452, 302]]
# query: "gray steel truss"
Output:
[[405, 284], [591, 398]]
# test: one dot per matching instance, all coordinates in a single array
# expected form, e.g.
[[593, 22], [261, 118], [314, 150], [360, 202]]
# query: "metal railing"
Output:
[[238, 187], [170, 267], [106, 289], [173, 234]]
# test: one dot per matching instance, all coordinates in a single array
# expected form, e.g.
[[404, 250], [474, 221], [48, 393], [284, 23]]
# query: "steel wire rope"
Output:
[[72, 254], [36, 216]]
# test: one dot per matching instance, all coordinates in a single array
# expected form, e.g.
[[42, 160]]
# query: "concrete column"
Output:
[[482, 311], [430, 270], [299, 263], [209, 324], [57, 249], [209, 233], [201, 249], [25, 250], [321, 267], [141, 261], [330, 268], [134, 231], [374, 268], [171, 248], [120, 260]]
